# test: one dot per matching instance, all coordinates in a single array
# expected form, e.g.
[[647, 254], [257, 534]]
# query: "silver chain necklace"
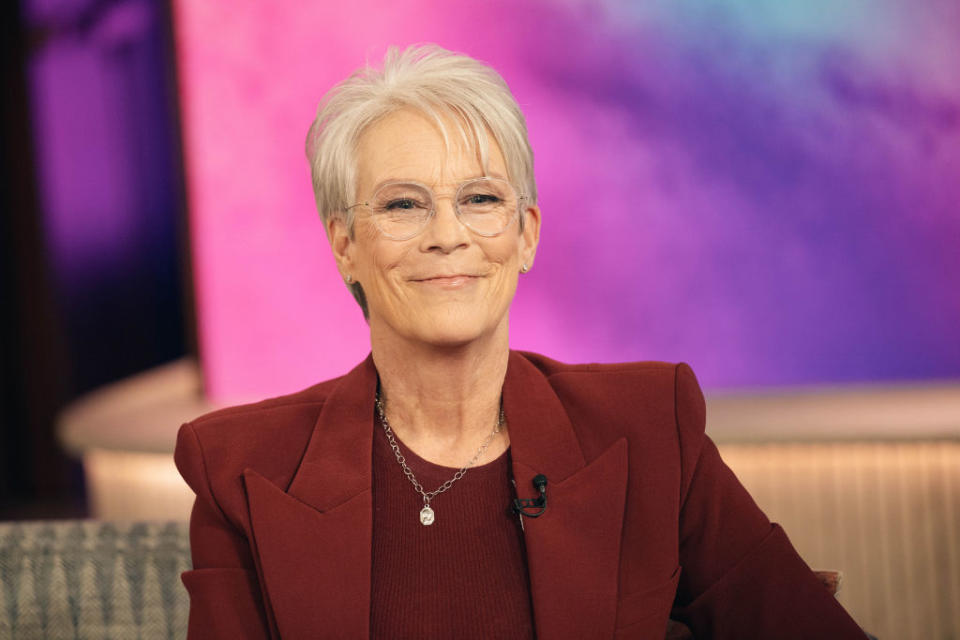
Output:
[[426, 513]]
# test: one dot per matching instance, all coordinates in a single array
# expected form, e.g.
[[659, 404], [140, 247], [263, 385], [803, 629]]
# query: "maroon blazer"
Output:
[[643, 515]]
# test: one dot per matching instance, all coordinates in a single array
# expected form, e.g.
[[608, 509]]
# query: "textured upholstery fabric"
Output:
[[87, 579]]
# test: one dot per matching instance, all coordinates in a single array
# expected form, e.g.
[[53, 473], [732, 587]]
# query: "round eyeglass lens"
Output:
[[401, 210], [487, 205]]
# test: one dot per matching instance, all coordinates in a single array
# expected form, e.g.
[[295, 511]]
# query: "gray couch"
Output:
[[82, 579], [85, 579]]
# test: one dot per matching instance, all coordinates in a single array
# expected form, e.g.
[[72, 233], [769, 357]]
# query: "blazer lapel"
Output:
[[313, 540], [573, 549]]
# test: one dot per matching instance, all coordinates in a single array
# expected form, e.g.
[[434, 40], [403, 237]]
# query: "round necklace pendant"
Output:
[[426, 516]]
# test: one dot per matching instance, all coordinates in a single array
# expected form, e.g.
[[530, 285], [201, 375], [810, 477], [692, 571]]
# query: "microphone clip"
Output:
[[533, 507]]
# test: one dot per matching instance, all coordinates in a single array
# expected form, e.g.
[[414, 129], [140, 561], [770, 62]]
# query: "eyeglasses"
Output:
[[401, 210]]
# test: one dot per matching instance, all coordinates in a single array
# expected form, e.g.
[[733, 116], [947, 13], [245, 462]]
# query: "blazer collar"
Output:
[[541, 436], [581, 528], [338, 459], [337, 464], [573, 549]]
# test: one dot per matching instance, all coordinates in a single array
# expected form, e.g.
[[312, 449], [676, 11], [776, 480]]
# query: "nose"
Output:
[[444, 233]]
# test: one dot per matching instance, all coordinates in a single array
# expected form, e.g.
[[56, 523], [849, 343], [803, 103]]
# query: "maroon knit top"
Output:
[[464, 576]]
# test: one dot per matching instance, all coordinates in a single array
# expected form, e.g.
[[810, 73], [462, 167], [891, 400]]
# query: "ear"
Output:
[[530, 236], [341, 243]]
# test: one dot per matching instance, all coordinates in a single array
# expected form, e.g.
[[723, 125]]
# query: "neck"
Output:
[[443, 401]]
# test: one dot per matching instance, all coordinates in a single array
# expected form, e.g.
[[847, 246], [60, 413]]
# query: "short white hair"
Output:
[[443, 85]]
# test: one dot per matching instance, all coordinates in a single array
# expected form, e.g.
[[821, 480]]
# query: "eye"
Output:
[[481, 198], [401, 200], [401, 204]]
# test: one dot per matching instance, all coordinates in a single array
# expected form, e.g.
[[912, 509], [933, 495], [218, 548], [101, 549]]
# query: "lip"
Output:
[[452, 281]]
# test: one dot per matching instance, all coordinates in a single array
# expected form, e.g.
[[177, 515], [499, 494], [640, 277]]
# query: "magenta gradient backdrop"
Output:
[[769, 194]]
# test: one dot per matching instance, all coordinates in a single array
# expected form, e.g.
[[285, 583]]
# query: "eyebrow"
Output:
[[433, 186]]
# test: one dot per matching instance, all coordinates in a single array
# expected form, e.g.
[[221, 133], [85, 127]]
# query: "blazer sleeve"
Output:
[[225, 595], [741, 577]]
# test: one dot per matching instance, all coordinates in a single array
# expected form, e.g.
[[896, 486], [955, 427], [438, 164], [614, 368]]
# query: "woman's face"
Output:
[[446, 286]]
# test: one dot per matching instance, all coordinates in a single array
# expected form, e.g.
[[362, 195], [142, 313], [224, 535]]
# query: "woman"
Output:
[[450, 487]]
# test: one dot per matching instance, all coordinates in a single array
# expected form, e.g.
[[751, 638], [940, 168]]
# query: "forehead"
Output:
[[408, 145]]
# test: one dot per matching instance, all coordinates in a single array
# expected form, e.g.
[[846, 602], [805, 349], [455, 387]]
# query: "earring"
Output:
[[524, 268], [348, 279]]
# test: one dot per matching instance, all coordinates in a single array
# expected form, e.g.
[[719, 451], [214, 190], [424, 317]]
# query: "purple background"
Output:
[[768, 192]]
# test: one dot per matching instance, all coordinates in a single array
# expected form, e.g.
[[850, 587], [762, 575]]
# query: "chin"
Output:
[[454, 329], [451, 335]]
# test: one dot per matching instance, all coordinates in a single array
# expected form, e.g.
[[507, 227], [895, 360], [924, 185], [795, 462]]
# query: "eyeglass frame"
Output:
[[433, 208]]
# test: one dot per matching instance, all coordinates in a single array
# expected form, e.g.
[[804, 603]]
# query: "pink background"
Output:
[[767, 195]]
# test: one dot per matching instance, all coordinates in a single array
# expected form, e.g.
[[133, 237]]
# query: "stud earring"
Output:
[[524, 268], [348, 279]]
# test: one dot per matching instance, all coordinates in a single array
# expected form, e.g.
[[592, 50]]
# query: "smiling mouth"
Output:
[[448, 281]]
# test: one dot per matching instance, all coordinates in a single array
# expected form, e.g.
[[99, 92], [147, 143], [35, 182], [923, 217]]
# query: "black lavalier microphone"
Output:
[[533, 508]]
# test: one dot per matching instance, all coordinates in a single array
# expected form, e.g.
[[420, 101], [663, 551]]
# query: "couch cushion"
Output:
[[93, 579]]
